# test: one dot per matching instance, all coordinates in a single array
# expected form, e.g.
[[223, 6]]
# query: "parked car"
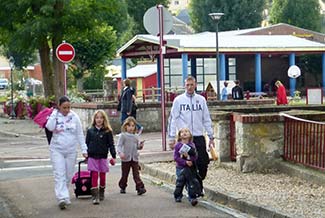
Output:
[[4, 83]]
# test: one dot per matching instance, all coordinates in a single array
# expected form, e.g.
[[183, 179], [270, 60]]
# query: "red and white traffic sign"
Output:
[[65, 52]]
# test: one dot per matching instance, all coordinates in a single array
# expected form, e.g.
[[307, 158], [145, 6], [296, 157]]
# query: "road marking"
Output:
[[36, 167], [25, 168], [27, 160]]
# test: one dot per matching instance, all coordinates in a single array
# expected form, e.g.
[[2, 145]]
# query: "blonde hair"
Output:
[[106, 125], [179, 134], [127, 122]]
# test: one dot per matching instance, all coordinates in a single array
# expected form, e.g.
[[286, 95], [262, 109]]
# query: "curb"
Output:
[[223, 198]]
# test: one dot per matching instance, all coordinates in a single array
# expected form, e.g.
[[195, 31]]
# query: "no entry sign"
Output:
[[65, 52]]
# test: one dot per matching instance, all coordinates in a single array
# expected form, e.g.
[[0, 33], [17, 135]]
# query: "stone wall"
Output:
[[148, 115], [258, 141]]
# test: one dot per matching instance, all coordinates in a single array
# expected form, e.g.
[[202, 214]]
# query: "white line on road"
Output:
[[34, 167]]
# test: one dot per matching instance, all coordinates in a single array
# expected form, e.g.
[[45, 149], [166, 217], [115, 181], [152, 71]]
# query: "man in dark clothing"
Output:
[[237, 92]]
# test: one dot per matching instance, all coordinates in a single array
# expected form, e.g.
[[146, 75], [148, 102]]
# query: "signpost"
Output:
[[65, 53], [158, 21]]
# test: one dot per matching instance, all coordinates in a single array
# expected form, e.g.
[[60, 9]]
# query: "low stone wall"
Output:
[[148, 115], [258, 140]]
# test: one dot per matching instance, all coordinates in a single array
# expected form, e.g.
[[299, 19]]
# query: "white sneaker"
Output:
[[62, 205], [67, 201], [140, 130]]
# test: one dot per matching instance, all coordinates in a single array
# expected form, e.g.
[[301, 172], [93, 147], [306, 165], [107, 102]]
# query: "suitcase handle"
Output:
[[79, 163]]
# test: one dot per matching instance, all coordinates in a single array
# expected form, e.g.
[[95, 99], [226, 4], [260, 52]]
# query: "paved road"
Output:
[[26, 189], [28, 185]]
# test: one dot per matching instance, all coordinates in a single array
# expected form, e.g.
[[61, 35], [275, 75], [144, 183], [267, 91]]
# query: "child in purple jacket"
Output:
[[185, 156]]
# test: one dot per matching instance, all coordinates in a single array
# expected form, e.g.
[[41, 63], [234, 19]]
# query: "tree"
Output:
[[301, 13], [42, 25], [237, 14], [137, 9], [93, 48]]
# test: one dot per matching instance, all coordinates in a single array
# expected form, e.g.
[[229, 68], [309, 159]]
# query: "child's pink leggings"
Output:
[[94, 179]]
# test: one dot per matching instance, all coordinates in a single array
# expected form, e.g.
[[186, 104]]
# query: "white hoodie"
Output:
[[67, 132], [190, 111]]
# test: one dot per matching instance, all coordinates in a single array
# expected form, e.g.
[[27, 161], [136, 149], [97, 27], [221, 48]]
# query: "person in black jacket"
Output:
[[128, 106], [237, 91], [99, 140]]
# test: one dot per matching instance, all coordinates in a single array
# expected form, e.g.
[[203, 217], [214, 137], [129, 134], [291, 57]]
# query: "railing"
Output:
[[304, 141], [143, 95]]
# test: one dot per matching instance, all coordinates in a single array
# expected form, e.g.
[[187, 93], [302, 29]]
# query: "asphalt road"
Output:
[[26, 190]]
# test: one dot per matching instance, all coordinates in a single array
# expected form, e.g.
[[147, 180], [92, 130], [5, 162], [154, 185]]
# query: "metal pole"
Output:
[[162, 77], [217, 63], [65, 66], [12, 112]]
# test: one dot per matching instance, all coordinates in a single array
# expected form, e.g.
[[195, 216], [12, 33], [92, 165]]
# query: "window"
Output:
[[232, 68]]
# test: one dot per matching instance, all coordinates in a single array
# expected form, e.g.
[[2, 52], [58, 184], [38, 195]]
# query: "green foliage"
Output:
[[93, 48], [301, 13], [41, 25], [95, 79], [237, 14], [313, 65], [137, 9]]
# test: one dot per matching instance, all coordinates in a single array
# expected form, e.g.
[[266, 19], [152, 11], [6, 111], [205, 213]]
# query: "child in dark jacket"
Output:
[[99, 140], [185, 156]]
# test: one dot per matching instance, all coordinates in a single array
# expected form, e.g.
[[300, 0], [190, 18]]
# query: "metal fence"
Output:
[[148, 95], [304, 141]]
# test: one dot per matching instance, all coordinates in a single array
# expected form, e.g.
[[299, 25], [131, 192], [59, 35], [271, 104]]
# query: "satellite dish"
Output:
[[294, 71], [151, 21]]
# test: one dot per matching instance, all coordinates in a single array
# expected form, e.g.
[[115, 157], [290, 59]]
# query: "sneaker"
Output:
[[178, 199], [140, 130], [122, 191], [141, 191], [194, 202], [62, 205], [202, 193], [67, 201]]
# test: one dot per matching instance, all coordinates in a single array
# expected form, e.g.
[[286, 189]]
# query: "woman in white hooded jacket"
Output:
[[67, 133]]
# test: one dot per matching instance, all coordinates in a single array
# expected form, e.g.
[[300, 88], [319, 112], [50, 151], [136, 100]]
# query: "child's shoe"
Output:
[[178, 199], [141, 191], [122, 191], [194, 202], [140, 130], [95, 195], [101, 193]]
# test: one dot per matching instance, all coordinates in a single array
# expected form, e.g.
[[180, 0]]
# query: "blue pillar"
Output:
[[123, 73], [292, 80], [222, 58], [184, 66], [158, 73], [258, 73], [193, 67], [323, 71]]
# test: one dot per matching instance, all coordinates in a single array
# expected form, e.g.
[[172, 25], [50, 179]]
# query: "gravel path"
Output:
[[289, 195]]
